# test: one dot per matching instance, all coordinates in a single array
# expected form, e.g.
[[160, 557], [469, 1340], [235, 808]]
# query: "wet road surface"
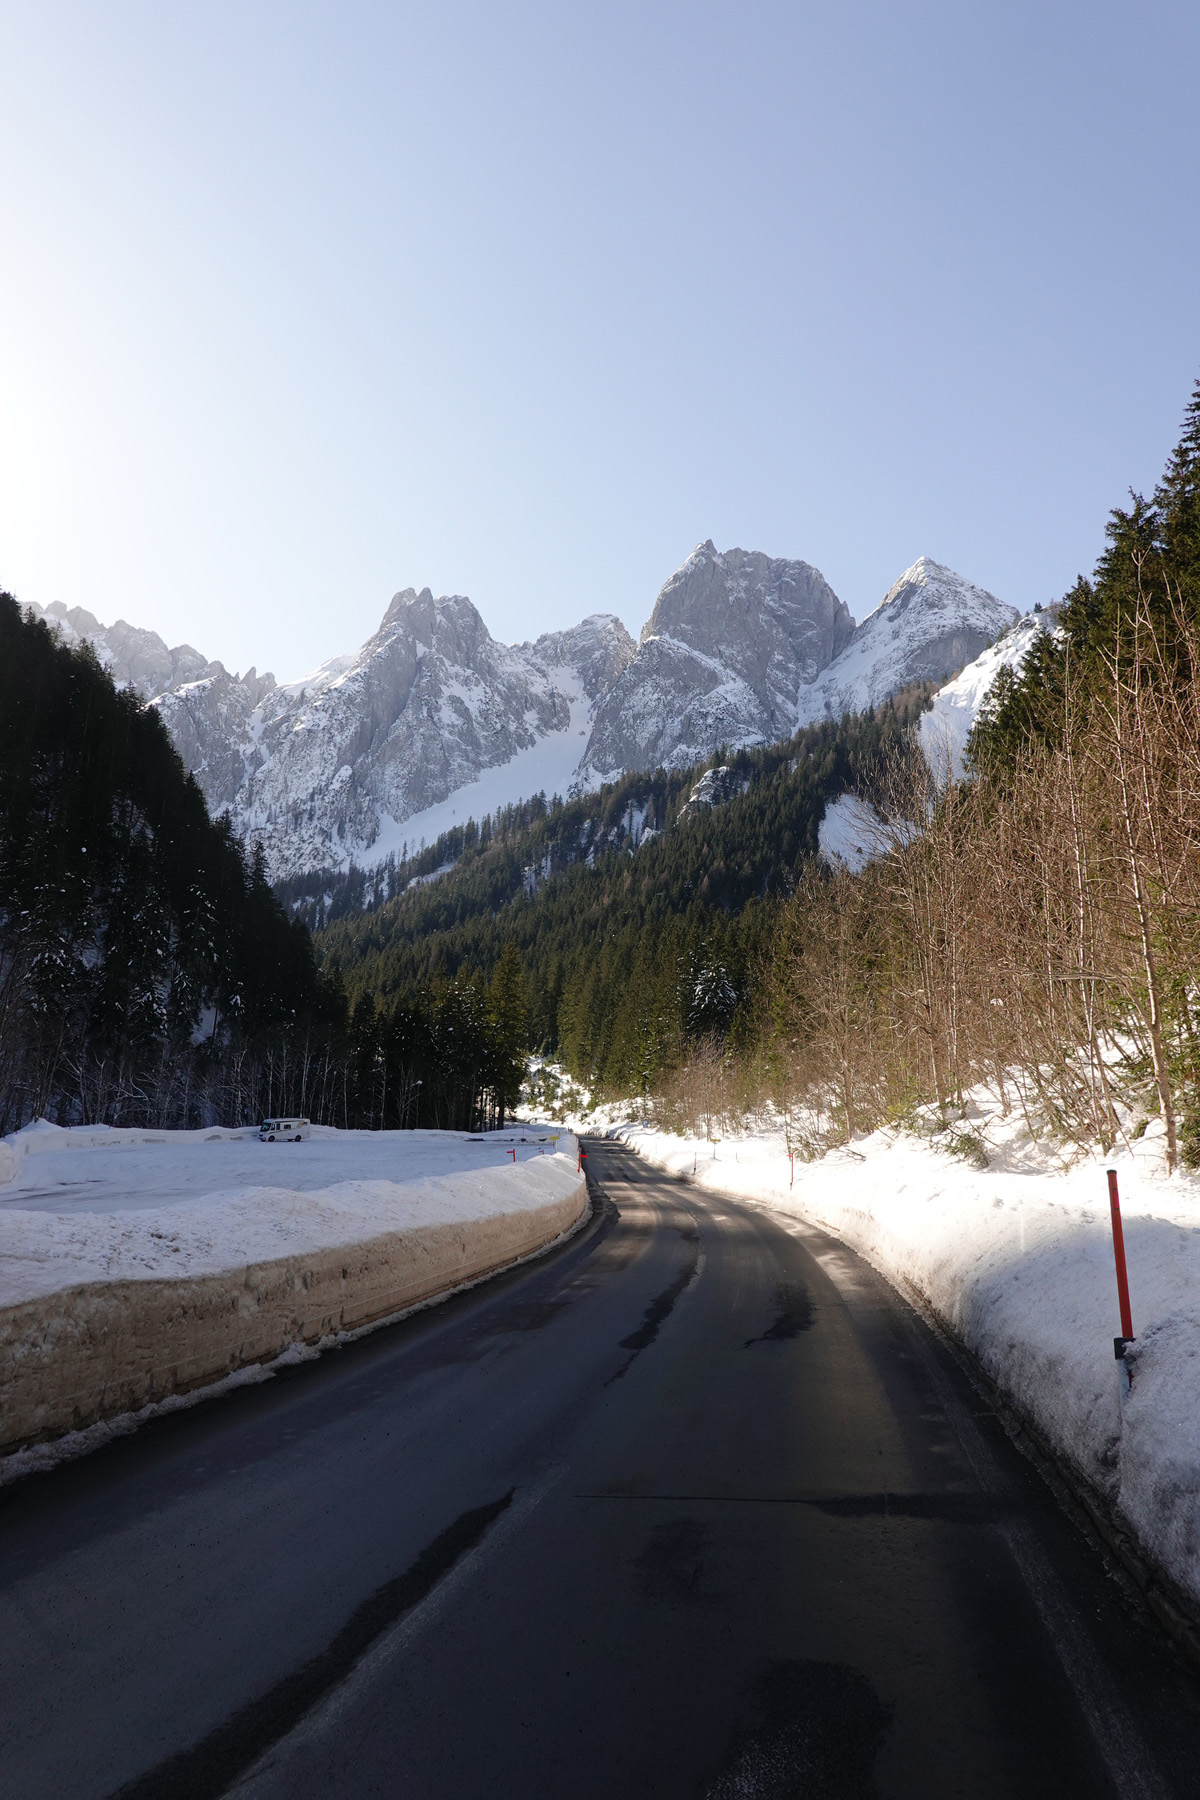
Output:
[[694, 1506]]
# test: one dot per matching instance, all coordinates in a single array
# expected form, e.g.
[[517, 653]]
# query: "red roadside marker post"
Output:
[[579, 1164], [1122, 1343]]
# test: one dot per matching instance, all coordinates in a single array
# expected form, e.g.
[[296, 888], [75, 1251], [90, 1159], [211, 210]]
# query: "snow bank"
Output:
[[154, 1168], [104, 1312], [1016, 1259]]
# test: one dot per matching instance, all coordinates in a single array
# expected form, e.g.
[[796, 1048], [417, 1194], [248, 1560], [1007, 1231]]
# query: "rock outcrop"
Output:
[[733, 639]]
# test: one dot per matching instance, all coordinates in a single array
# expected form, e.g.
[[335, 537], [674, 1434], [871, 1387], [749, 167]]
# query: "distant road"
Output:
[[695, 1506]]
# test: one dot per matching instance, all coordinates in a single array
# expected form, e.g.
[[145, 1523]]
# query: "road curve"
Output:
[[694, 1506]]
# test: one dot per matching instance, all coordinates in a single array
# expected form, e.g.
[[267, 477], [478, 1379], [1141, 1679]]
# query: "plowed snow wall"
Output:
[[102, 1348]]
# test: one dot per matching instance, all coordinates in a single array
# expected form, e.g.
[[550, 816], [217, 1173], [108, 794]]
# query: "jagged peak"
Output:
[[926, 573], [423, 613], [406, 598], [925, 569]]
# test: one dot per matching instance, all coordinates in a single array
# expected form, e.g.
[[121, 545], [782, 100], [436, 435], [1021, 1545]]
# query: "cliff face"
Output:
[[733, 638]]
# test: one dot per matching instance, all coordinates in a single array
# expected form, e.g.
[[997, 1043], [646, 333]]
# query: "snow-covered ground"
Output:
[[96, 1205], [93, 1168], [139, 1267], [852, 833], [1017, 1260]]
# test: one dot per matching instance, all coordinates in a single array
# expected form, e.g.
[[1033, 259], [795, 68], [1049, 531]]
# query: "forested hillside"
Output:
[[148, 975], [642, 918], [1037, 926], [1040, 926]]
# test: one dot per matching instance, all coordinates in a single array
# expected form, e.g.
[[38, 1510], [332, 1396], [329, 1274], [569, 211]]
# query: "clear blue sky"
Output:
[[303, 303]]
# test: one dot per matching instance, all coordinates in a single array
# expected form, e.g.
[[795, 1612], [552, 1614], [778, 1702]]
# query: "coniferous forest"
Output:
[[148, 974], [643, 921]]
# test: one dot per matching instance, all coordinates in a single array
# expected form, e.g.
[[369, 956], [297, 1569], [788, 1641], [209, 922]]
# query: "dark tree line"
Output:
[[148, 973]]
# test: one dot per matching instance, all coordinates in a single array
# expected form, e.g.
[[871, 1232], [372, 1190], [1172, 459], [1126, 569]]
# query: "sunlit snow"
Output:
[[547, 767]]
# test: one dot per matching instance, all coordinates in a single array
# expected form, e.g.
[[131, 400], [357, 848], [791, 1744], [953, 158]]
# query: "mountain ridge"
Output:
[[432, 716]]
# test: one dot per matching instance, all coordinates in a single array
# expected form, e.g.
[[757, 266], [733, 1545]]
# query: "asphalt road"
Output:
[[694, 1506]]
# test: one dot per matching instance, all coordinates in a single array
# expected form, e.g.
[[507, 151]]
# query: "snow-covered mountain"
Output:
[[134, 658], [332, 767], [925, 628], [743, 648], [433, 721], [853, 831], [369, 750], [733, 639]]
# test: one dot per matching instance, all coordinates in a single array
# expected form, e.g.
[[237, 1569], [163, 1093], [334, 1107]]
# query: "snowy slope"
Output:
[[546, 767], [944, 730], [928, 624], [852, 832]]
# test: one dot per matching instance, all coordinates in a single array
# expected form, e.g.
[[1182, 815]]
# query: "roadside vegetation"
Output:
[[1038, 926]]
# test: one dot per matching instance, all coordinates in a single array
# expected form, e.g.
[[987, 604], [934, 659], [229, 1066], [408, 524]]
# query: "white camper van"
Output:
[[289, 1131]]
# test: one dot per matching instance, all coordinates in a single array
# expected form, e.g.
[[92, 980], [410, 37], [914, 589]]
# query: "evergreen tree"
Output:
[[508, 1012]]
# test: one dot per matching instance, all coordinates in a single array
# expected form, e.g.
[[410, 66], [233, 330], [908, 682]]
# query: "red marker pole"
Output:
[[1114, 1203]]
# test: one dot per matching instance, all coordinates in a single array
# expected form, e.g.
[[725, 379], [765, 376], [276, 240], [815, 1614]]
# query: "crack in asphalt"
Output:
[[660, 1307], [207, 1769]]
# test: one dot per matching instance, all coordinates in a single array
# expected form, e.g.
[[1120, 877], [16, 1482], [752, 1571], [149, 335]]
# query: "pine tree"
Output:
[[508, 1012]]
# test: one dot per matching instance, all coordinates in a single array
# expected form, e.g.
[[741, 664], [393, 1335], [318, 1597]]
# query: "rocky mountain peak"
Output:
[[449, 623], [599, 648], [134, 657], [733, 636], [929, 624], [758, 606], [330, 768], [927, 584], [434, 720]]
